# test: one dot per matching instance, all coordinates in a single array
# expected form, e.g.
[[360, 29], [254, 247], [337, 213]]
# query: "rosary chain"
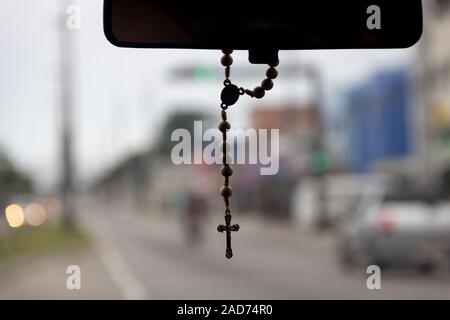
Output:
[[230, 95], [259, 91]]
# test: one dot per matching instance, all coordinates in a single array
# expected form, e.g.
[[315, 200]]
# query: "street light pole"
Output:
[[66, 74], [323, 221]]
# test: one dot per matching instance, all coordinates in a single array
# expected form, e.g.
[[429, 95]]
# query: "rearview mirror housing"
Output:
[[283, 25]]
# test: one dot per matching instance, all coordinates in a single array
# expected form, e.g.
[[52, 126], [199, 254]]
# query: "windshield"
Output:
[[111, 165]]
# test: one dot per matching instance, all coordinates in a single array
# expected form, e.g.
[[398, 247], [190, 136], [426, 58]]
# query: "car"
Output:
[[400, 229]]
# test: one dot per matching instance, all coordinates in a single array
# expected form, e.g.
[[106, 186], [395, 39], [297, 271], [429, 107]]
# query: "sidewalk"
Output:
[[45, 277]]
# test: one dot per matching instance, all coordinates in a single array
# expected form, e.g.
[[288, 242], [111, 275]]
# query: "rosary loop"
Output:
[[229, 96]]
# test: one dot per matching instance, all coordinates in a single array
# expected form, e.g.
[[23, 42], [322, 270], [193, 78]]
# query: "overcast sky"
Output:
[[122, 95]]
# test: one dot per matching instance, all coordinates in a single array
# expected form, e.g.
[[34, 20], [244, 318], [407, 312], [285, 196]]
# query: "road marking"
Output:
[[116, 267]]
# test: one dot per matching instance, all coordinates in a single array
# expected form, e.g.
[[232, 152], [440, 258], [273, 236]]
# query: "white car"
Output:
[[403, 229]]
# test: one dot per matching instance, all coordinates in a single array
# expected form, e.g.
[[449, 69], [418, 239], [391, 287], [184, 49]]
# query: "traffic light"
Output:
[[319, 162]]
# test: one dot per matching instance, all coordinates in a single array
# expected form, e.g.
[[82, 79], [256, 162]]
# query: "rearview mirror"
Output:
[[283, 24]]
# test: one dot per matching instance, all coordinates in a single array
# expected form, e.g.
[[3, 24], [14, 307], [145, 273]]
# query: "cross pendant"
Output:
[[228, 228]]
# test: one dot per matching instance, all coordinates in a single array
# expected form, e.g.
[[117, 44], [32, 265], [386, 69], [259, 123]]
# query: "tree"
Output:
[[179, 120], [11, 180]]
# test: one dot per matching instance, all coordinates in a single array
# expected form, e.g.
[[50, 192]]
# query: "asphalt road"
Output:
[[147, 258]]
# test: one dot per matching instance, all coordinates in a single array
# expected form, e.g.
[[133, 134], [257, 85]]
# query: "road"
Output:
[[147, 258]]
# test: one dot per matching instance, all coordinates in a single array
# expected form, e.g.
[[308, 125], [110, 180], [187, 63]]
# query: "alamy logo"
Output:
[[374, 280], [73, 281], [73, 21], [239, 140], [374, 20]]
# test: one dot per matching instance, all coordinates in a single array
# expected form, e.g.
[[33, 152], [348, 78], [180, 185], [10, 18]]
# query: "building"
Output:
[[378, 121], [433, 87], [271, 195]]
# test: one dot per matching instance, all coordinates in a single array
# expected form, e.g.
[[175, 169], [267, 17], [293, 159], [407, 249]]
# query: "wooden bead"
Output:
[[272, 73], [226, 191], [227, 51], [224, 126], [227, 60], [259, 92], [267, 84], [227, 171]]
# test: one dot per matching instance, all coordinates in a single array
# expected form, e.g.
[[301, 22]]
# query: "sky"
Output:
[[123, 96]]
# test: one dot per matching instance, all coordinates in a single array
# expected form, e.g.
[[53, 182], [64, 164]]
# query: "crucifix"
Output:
[[228, 228]]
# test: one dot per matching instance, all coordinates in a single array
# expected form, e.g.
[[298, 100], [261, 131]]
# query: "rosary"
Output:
[[229, 96]]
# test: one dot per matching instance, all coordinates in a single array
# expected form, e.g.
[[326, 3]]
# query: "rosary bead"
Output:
[[226, 191], [227, 60], [227, 51], [259, 92], [227, 171], [272, 73], [267, 84], [224, 126]]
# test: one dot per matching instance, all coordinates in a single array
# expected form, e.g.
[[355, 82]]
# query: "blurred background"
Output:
[[86, 176]]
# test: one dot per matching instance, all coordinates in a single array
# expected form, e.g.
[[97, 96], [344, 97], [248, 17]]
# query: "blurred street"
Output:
[[271, 261], [135, 257], [150, 261]]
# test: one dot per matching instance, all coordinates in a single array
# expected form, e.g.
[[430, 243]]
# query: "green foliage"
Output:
[[11, 180], [133, 171], [179, 120], [33, 241]]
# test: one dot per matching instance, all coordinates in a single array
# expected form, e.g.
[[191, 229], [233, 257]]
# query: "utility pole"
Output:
[[65, 105], [319, 153], [424, 85]]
